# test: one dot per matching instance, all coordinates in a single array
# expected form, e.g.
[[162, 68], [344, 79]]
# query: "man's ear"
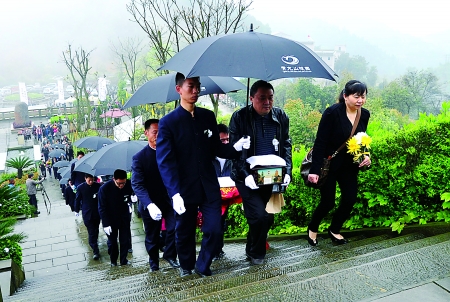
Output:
[[178, 88]]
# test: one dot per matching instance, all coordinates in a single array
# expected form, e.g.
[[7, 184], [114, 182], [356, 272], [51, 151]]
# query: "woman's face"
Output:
[[355, 101]]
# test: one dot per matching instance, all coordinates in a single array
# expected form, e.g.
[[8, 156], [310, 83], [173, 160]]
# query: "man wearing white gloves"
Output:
[[113, 199], [188, 141], [86, 199], [154, 203], [268, 128]]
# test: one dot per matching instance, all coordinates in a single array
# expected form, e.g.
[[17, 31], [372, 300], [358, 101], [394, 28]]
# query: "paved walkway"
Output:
[[58, 241]]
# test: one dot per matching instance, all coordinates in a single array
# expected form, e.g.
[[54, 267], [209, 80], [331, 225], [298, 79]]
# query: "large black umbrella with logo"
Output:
[[249, 55]]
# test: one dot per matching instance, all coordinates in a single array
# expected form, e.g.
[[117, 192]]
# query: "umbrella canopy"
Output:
[[115, 113], [62, 163], [250, 55], [162, 89], [58, 146], [64, 172], [115, 156], [63, 181], [57, 153], [93, 142]]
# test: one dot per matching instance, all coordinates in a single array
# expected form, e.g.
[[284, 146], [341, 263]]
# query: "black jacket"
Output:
[[334, 129], [238, 129], [87, 199], [186, 146], [113, 204]]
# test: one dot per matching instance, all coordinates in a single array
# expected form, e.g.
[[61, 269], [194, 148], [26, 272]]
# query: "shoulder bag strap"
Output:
[[355, 124]]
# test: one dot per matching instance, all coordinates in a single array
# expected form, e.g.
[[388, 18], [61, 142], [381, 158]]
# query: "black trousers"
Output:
[[33, 200], [152, 230], [122, 232], [185, 235], [347, 178], [259, 221], [92, 228]]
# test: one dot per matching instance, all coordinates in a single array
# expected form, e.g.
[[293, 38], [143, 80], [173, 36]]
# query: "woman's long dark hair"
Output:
[[353, 87]]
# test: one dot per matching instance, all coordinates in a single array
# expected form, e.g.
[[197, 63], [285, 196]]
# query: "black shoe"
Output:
[[37, 213], [96, 256], [130, 251], [173, 262], [155, 269], [337, 240], [185, 272], [312, 242], [254, 261], [113, 264], [200, 273], [125, 263], [219, 256]]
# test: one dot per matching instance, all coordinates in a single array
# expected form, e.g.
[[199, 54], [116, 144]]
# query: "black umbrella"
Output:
[[93, 142], [109, 158], [63, 181], [62, 163], [162, 89], [64, 172], [58, 146], [57, 153], [249, 55]]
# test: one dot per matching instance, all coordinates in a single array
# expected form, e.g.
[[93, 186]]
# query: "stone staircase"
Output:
[[371, 266]]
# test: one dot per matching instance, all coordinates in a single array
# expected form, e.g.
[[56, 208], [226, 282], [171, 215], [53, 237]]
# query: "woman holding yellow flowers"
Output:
[[334, 129]]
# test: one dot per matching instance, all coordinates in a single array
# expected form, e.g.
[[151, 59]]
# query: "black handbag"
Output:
[[307, 162]]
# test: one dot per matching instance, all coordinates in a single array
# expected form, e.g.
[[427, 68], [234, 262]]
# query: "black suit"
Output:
[[149, 188], [334, 129], [114, 210], [87, 199], [186, 147]]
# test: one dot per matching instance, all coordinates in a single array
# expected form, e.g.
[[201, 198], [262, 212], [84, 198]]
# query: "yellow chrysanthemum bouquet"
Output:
[[359, 146]]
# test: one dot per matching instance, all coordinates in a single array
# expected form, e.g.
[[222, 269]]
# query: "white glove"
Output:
[[178, 204], [134, 198], [107, 230], [244, 142], [287, 180], [250, 182], [154, 211], [77, 214]]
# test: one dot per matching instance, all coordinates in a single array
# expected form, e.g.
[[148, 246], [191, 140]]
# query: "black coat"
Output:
[[146, 180], [113, 204], [334, 129], [241, 125], [87, 199], [186, 147]]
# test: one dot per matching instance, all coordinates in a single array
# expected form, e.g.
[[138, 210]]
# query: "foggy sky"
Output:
[[33, 33]]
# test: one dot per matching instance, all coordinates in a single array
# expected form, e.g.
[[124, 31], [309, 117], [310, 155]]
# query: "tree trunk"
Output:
[[19, 173]]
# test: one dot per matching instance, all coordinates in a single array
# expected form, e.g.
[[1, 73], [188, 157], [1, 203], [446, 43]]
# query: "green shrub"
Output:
[[9, 243], [14, 202]]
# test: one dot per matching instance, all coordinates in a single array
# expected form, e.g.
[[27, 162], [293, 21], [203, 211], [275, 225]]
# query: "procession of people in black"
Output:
[[175, 177]]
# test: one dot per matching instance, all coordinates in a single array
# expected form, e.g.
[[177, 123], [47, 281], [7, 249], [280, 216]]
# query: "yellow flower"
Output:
[[366, 141], [352, 145]]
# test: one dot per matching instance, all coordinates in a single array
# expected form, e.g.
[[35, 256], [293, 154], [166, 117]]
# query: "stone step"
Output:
[[140, 270], [285, 259], [298, 274], [366, 281]]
